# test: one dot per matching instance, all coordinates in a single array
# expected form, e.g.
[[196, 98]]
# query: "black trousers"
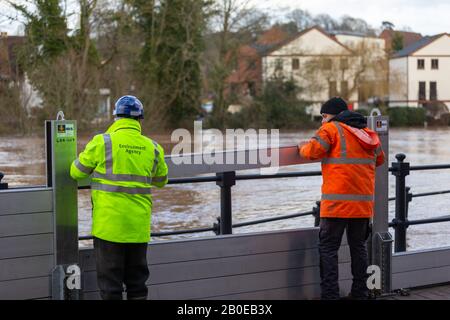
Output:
[[120, 264], [330, 235]]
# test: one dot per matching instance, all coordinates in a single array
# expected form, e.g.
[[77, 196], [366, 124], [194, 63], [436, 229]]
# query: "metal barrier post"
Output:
[[227, 180], [400, 171], [381, 239], [61, 149], [382, 249]]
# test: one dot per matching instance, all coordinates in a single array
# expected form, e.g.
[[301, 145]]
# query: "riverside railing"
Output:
[[403, 197], [226, 180]]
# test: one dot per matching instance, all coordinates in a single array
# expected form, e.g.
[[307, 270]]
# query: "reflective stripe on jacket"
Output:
[[124, 165], [348, 170]]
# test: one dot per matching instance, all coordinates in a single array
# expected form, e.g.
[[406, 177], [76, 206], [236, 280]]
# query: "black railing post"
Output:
[[227, 180], [316, 214], [400, 171]]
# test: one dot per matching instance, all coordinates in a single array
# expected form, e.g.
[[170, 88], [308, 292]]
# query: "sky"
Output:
[[424, 16]]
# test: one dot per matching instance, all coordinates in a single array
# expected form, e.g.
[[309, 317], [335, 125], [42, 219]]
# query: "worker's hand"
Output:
[[300, 145]]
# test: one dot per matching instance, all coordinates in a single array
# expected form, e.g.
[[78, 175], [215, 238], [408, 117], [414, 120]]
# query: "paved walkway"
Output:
[[441, 292]]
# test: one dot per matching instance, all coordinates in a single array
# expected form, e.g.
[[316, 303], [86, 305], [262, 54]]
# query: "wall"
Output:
[[26, 243], [271, 265], [398, 81], [420, 268], [440, 76], [311, 48]]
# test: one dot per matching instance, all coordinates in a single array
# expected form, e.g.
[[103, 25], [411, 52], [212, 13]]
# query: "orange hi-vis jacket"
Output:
[[349, 157]]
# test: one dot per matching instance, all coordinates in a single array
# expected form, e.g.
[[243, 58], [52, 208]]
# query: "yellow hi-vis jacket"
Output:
[[124, 166]]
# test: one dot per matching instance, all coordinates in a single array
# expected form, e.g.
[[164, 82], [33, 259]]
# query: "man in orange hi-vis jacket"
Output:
[[349, 152]]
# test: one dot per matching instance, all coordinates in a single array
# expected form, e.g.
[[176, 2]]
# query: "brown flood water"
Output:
[[22, 160]]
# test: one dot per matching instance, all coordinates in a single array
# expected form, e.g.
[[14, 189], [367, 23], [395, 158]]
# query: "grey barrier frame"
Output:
[[28, 244], [381, 238], [288, 155], [65, 234], [380, 246], [61, 150]]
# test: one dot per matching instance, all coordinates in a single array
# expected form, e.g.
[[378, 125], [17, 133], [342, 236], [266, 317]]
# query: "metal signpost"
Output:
[[61, 150], [381, 242]]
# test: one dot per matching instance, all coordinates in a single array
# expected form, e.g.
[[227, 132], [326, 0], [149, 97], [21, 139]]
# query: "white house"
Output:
[[373, 64], [419, 73], [355, 41], [323, 65]]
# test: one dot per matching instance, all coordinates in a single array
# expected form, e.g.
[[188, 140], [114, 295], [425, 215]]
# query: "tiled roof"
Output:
[[408, 37], [301, 33], [262, 48], [415, 46]]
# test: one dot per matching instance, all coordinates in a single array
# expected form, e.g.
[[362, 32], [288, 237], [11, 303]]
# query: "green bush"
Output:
[[406, 116], [279, 107]]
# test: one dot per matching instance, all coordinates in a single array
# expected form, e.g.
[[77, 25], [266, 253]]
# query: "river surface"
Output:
[[22, 160]]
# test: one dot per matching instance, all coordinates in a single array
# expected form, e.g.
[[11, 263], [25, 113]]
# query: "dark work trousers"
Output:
[[119, 264], [330, 235]]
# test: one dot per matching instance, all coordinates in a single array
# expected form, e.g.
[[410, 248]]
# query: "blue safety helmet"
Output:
[[129, 107]]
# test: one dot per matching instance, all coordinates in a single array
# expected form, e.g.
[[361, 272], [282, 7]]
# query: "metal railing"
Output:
[[403, 197], [226, 180]]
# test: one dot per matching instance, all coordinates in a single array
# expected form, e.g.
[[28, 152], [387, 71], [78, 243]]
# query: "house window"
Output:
[[332, 89], [295, 64], [344, 63], [344, 89], [435, 64], [422, 91], [433, 90], [420, 64], [327, 64]]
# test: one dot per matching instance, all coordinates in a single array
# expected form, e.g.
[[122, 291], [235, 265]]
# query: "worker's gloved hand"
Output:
[[300, 145]]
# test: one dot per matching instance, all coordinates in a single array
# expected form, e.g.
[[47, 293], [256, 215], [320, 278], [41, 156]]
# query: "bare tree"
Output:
[[302, 18], [326, 22], [348, 23], [62, 64], [231, 19]]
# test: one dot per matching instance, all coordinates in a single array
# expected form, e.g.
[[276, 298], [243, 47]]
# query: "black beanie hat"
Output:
[[334, 106]]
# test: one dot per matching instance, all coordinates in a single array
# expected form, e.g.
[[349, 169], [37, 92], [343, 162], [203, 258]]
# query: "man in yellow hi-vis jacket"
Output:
[[124, 165]]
